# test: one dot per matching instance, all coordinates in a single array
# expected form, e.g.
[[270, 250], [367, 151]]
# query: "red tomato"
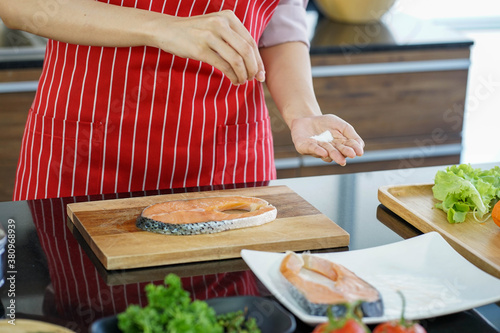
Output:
[[396, 327], [495, 213], [401, 325], [351, 326]]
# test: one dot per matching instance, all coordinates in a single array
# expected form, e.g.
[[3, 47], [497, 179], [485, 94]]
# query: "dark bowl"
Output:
[[271, 317]]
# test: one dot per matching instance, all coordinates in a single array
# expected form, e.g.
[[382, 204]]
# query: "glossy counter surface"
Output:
[[57, 278]]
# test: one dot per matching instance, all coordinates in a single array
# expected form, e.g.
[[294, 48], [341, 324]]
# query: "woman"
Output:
[[148, 94]]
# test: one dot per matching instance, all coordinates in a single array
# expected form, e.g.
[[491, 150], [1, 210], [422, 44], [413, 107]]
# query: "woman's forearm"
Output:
[[290, 83], [219, 39], [288, 77], [85, 22]]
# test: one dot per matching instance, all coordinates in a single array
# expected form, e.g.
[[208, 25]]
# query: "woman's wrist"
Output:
[[156, 30], [299, 109]]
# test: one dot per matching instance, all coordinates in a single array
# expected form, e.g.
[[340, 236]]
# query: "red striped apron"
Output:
[[108, 120]]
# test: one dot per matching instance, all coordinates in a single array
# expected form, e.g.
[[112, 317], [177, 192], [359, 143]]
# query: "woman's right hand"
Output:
[[219, 39]]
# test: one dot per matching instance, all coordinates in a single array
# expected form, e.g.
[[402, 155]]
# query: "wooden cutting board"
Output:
[[477, 242], [31, 326], [109, 229]]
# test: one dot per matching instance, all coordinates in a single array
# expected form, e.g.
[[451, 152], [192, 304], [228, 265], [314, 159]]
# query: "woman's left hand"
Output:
[[289, 79], [346, 142]]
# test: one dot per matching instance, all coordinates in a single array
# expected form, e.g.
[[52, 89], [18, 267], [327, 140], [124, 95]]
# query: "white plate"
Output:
[[434, 278]]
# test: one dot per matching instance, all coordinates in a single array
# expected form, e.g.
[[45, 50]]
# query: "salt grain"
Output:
[[326, 136]]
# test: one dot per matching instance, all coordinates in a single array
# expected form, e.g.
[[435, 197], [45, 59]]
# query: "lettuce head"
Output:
[[462, 189]]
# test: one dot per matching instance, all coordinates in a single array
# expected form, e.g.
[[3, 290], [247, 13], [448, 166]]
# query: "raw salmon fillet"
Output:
[[318, 283], [205, 215]]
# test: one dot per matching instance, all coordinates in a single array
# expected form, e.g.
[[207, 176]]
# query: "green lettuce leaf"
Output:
[[463, 189], [171, 310]]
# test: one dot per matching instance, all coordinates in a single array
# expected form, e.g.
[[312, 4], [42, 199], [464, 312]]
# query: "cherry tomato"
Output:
[[397, 327], [350, 322], [350, 326], [400, 326], [495, 213]]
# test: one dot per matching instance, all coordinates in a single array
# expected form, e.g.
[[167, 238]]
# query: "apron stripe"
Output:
[[67, 107], [151, 110], [108, 112]]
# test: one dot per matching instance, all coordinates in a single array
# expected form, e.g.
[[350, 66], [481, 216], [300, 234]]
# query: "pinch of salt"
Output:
[[326, 136]]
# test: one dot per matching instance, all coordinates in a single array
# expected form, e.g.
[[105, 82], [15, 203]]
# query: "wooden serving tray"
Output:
[[109, 229], [477, 242]]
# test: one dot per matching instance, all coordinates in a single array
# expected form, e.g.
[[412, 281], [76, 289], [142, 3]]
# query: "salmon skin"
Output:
[[205, 215], [318, 283]]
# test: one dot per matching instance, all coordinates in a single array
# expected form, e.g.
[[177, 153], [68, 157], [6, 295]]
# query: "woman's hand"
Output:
[[346, 142], [219, 39], [290, 82]]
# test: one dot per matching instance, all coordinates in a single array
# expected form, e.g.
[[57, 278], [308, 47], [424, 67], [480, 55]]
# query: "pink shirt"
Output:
[[288, 24]]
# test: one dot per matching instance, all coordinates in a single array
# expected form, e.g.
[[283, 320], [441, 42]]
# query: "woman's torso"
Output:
[[125, 119]]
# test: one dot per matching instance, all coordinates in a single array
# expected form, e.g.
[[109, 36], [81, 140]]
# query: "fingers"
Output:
[[224, 58], [337, 150], [343, 142], [354, 141], [346, 144], [236, 55], [246, 46], [326, 151], [221, 40]]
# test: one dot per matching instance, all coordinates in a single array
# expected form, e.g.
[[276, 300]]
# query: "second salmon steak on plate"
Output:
[[318, 284]]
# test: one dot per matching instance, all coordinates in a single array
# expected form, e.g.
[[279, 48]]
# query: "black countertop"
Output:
[[48, 254], [395, 32]]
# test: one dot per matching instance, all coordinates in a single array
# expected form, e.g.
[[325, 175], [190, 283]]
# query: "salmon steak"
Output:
[[205, 215], [317, 283]]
